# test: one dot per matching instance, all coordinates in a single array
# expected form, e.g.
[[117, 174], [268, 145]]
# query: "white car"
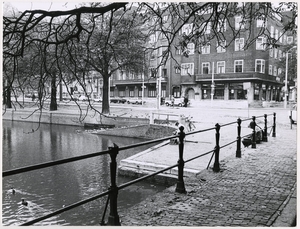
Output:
[[83, 98], [177, 102]]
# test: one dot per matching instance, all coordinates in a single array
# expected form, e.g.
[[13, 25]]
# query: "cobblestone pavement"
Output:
[[249, 191]]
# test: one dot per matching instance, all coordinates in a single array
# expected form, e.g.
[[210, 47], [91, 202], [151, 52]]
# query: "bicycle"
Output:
[[191, 126]]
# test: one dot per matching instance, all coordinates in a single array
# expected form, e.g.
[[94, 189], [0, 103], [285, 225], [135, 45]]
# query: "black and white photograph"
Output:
[[149, 113]]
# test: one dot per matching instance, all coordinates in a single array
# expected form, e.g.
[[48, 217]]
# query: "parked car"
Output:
[[177, 102], [98, 100], [135, 101], [83, 98], [118, 100]]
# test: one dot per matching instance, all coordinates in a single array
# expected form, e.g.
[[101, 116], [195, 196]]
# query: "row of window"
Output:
[[188, 68], [238, 46], [152, 92], [239, 24]]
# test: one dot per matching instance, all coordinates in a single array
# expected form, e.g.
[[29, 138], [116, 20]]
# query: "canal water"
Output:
[[49, 189]]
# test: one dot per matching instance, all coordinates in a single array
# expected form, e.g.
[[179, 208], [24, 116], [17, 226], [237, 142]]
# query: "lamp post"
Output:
[[212, 83], [286, 75]]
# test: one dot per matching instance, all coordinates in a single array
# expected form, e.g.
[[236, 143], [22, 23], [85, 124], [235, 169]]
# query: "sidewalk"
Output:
[[258, 189]]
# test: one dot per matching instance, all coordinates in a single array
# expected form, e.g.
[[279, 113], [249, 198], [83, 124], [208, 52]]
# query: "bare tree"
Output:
[[87, 37]]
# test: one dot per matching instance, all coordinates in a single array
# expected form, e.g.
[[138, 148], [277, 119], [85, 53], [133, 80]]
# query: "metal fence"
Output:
[[112, 192]]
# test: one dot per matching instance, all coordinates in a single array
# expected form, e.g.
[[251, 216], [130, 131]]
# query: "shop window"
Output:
[[140, 92], [152, 92], [122, 93], [131, 93], [112, 93]]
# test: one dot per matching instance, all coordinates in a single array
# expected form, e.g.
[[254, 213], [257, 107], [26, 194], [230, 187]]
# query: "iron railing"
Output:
[[112, 192]]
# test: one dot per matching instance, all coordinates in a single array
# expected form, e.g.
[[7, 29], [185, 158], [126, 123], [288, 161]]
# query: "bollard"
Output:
[[265, 132], [253, 133], [217, 149], [291, 118], [274, 125], [113, 218], [238, 142], [180, 188]]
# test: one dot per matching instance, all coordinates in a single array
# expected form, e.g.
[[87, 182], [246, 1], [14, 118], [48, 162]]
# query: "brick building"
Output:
[[226, 72]]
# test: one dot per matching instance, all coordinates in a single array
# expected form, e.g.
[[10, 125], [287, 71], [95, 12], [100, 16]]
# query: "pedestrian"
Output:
[[33, 96], [185, 101], [177, 131], [172, 101]]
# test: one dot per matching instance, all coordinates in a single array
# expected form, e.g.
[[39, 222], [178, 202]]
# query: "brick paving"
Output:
[[248, 191]]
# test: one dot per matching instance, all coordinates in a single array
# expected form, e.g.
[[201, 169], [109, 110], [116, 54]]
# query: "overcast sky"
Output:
[[44, 5]]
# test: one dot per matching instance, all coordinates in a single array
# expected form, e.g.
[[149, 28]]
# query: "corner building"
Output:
[[226, 72]]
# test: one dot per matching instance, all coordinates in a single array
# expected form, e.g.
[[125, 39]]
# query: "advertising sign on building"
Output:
[[246, 85]]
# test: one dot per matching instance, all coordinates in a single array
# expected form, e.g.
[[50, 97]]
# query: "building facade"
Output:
[[219, 70]]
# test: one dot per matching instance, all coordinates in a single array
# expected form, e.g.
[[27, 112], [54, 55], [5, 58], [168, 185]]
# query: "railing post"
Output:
[[113, 218], [291, 119], [253, 133], [238, 142], [265, 132], [274, 125], [180, 188], [217, 149]]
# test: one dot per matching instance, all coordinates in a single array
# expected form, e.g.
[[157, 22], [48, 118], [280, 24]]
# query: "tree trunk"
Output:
[[7, 97], [105, 95], [53, 103]]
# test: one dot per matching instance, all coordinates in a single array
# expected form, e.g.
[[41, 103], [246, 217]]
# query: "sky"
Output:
[[44, 5]]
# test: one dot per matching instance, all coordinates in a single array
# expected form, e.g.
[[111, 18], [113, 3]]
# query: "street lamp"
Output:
[[286, 74], [212, 83]]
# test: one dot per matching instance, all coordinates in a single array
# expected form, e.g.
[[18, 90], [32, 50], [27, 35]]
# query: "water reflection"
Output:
[[51, 188]]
